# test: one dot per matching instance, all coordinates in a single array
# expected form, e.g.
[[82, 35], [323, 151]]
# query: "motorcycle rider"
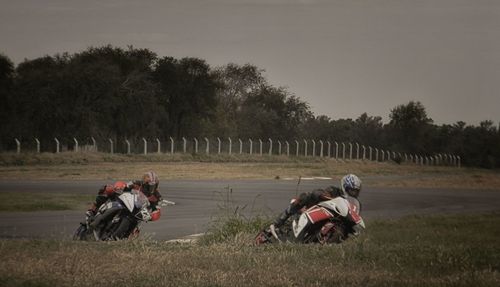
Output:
[[108, 191], [149, 186], [350, 185]]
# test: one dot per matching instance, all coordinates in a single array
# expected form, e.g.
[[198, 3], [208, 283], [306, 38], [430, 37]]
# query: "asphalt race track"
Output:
[[199, 201]]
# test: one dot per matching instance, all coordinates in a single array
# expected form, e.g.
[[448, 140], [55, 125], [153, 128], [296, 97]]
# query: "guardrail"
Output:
[[304, 147]]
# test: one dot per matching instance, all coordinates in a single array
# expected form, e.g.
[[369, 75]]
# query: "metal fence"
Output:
[[345, 151]]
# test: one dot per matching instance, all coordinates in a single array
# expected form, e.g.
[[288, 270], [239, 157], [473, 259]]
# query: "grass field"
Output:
[[27, 201], [459, 250], [99, 166]]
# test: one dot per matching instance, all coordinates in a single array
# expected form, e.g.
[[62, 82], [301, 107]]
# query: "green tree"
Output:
[[369, 130], [6, 99], [187, 92], [236, 84], [409, 127]]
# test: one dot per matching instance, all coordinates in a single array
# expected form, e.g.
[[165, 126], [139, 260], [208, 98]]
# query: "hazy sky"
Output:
[[343, 57]]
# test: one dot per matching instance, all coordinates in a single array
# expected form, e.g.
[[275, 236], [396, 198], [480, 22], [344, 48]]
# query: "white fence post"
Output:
[[287, 148], [76, 145], [297, 147], [320, 148], [371, 149], [184, 144], [364, 152], [94, 144], [383, 155], [145, 146], [376, 154], [230, 145], [159, 145], [336, 150], [357, 151], [171, 145], [279, 147], [251, 145], [270, 146], [329, 148], [343, 151], [207, 148], [305, 149], [57, 145], [388, 155], [314, 147], [350, 151], [218, 145], [18, 146], [128, 146], [241, 146], [260, 146], [37, 145], [459, 165], [195, 145], [110, 144]]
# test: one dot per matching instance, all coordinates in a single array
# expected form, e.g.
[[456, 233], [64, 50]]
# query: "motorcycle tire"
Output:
[[81, 233], [123, 229], [338, 235]]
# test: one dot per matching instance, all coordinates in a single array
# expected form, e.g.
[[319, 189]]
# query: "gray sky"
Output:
[[344, 57]]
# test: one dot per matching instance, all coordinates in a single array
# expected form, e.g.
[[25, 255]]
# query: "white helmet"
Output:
[[351, 184]]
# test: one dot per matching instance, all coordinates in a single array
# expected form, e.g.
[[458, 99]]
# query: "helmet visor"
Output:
[[354, 192]]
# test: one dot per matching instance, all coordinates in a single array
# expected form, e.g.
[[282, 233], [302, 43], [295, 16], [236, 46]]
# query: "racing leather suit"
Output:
[[307, 199]]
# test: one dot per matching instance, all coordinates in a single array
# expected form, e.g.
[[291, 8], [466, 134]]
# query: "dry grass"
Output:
[[415, 251], [97, 166]]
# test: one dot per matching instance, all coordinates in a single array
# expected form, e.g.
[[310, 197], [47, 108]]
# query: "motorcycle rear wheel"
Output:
[[338, 235]]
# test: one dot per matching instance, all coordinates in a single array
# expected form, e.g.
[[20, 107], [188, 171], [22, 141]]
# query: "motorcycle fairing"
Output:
[[320, 212], [353, 215], [299, 226], [108, 205], [338, 205], [128, 199], [317, 214]]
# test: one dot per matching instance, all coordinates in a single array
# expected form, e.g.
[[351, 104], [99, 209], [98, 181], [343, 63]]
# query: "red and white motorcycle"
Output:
[[330, 221]]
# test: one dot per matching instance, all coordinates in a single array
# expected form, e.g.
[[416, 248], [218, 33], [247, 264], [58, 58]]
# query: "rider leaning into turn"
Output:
[[350, 185], [148, 185]]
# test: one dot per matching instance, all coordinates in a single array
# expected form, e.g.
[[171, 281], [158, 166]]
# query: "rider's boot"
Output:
[[293, 208]]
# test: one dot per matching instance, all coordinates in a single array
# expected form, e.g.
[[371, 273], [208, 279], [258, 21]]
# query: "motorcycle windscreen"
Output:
[[318, 214], [128, 199]]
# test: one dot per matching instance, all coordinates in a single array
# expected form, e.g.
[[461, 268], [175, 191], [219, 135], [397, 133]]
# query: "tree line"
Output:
[[111, 92]]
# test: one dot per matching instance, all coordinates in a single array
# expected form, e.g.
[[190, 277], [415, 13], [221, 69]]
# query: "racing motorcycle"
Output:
[[120, 218], [330, 221]]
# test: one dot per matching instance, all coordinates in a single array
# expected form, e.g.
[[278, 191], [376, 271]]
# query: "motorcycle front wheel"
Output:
[[125, 227], [81, 233]]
